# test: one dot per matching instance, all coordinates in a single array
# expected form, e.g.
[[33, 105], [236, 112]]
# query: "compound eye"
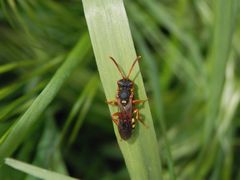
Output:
[[120, 83]]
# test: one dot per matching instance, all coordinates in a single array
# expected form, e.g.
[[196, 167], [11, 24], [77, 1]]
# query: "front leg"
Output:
[[112, 102]]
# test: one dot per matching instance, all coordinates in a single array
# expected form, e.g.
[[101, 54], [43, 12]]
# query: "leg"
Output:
[[138, 117], [138, 101], [113, 117], [112, 102]]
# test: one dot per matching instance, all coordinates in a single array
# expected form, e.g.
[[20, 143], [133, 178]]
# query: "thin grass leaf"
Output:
[[83, 102], [7, 90], [223, 31], [110, 36], [157, 99], [180, 64], [229, 103], [13, 87], [7, 67], [21, 128], [48, 154], [11, 108], [36, 171], [205, 12], [162, 16], [92, 89]]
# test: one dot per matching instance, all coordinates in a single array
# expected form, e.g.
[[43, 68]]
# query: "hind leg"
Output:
[[138, 117], [114, 118]]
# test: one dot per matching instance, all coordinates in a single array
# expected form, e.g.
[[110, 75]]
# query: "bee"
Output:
[[127, 114]]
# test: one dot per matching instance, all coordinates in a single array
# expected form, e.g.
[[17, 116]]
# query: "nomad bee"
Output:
[[127, 116]]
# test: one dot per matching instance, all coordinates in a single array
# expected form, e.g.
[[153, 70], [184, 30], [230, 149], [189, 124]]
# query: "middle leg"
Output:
[[138, 101], [114, 118]]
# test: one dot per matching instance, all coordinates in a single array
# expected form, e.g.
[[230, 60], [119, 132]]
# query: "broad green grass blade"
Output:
[[35, 171], [21, 128], [110, 36]]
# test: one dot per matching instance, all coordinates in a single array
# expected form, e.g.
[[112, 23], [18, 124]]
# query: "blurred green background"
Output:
[[190, 66]]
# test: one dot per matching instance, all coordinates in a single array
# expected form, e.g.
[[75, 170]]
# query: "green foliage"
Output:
[[53, 113]]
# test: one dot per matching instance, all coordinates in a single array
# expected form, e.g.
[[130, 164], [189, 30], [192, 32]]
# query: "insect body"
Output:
[[127, 116]]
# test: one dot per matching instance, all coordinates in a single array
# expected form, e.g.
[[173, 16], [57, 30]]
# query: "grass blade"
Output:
[[163, 17], [92, 89], [224, 25], [223, 32], [110, 36], [35, 171], [157, 100]]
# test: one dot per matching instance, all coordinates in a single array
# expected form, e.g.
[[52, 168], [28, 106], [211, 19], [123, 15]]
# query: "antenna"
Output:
[[139, 57], [114, 61]]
